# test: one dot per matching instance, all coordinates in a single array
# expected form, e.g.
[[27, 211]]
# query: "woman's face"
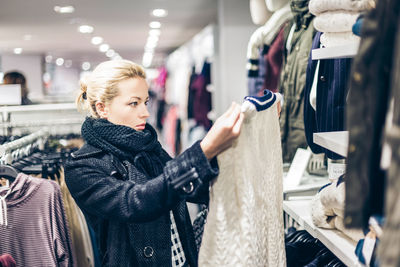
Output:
[[129, 108]]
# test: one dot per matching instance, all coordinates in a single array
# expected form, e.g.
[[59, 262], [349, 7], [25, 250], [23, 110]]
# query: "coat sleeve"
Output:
[[99, 193]]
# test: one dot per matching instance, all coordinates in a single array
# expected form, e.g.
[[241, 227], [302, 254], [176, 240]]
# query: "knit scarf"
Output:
[[141, 148]]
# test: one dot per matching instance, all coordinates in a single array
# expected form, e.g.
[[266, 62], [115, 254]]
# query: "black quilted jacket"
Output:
[[130, 212]]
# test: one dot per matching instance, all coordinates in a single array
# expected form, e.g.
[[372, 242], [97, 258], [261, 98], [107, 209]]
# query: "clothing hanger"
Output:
[[8, 172]]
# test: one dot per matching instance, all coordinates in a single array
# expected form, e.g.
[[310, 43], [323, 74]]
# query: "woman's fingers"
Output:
[[238, 125]]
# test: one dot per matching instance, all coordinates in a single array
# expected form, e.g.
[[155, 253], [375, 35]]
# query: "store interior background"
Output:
[[191, 31]]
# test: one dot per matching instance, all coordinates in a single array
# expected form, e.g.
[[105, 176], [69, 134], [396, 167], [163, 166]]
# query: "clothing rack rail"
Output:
[[20, 143]]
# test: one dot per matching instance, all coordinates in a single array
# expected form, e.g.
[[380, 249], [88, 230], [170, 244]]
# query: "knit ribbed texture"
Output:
[[37, 231], [319, 6], [245, 224], [335, 21]]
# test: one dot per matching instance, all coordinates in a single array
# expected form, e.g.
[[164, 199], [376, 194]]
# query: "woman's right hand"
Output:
[[224, 131]]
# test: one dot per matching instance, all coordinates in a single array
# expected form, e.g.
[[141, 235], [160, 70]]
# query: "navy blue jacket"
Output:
[[130, 212]]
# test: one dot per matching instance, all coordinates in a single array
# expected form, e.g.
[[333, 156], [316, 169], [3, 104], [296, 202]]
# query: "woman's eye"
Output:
[[134, 104], [147, 102]]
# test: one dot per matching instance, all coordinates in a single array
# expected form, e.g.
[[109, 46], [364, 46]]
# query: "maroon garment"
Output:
[[273, 61], [202, 97], [6, 260], [35, 230]]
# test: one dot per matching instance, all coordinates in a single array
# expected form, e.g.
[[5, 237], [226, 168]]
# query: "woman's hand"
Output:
[[224, 131]]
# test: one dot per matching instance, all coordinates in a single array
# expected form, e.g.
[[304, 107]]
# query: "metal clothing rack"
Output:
[[11, 151]]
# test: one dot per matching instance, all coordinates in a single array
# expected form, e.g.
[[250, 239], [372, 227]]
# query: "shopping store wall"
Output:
[[234, 30]]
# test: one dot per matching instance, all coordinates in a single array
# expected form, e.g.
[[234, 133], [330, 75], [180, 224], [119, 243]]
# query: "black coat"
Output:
[[130, 212]]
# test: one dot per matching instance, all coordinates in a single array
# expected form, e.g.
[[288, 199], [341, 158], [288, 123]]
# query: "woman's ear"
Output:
[[102, 110]]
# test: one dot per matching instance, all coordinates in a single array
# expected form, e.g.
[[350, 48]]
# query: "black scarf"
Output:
[[141, 148]]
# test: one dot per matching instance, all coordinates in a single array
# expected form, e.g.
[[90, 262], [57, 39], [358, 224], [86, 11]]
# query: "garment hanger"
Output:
[[8, 172]]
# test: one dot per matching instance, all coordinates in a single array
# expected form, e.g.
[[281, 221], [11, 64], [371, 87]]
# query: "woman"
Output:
[[129, 188]]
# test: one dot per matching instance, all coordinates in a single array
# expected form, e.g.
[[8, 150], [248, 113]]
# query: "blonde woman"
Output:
[[133, 194]]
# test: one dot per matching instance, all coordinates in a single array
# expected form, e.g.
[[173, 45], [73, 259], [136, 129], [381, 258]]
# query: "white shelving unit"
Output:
[[338, 243], [334, 141], [346, 51]]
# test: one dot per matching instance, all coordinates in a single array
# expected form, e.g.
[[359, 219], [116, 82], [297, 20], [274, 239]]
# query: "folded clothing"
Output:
[[335, 21], [331, 39], [317, 7]]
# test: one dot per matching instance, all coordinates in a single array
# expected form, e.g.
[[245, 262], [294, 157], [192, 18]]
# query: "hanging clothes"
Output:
[[265, 52], [245, 224], [293, 78], [6, 260], [367, 107], [332, 83], [34, 228]]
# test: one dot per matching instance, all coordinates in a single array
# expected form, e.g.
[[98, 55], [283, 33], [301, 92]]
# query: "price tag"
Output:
[[297, 168], [335, 170], [368, 248]]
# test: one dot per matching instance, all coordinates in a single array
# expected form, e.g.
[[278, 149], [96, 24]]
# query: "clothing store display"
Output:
[[331, 39], [389, 245], [35, 229], [245, 224], [6, 260], [320, 6], [293, 79], [335, 21], [264, 52], [331, 91], [370, 81], [141, 184]]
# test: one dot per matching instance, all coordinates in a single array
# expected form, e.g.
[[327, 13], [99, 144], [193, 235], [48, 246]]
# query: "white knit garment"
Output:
[[335, 21], [245, 222], [331, 39], [317, 7]]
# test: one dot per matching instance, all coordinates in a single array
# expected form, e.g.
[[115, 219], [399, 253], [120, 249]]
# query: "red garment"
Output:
[[273, 62], [6, 260]]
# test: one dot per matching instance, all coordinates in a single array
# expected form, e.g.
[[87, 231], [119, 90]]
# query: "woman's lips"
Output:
[[141, 126]]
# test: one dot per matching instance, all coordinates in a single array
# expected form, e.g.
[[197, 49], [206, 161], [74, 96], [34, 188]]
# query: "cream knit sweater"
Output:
[[245, 222]]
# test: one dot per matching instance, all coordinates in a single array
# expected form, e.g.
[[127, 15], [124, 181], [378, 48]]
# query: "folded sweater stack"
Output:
[[335, 18]]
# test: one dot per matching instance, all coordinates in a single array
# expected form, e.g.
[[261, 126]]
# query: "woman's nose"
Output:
[[145, 112]]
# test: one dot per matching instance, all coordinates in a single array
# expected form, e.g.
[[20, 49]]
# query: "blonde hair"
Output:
[[102, 84]]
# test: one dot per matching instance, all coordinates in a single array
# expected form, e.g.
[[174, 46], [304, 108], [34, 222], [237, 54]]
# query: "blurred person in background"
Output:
[[15, 77]]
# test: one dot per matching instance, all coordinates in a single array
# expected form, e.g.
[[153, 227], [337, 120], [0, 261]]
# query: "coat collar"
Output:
[[86, 151]]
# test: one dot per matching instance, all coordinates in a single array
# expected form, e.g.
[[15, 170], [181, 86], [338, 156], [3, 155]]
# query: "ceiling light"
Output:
[[150, 45], [85, 29], [110, 53], [85, 65], [149, 49], [17, 50], [68, 63], [97, 40], [104, 47], [154, 32], [64, 9], [59, 61], [48, 58], [27, 37], [155, 25], [147, 58], [159, 12], [152, 39]]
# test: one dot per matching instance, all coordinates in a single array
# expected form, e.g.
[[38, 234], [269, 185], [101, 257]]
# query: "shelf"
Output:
[[338, 243], [41, 107], [334, 141], [345, 51]]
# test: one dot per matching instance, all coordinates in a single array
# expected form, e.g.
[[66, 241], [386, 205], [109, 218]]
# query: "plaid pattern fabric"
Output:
[[178, 256]]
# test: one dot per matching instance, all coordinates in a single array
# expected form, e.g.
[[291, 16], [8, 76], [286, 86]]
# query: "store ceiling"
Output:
[[123, 24]]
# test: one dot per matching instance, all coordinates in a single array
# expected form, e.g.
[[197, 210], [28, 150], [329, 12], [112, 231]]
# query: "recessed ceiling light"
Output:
[[104, 47], [17, 50], [64, 9], [152, 39], [85, 29], [159, 12], [48, 58], [27, 37], [59, 61], [85, 65], [97, 40], [154, 32], [155, 25], [110, 53]]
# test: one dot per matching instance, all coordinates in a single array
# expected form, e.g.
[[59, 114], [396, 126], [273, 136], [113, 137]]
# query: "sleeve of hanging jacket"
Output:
[[99, 189]]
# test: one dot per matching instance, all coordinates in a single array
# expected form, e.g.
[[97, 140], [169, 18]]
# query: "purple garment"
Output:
[[35, 230], [202, 98], [6, 260]]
